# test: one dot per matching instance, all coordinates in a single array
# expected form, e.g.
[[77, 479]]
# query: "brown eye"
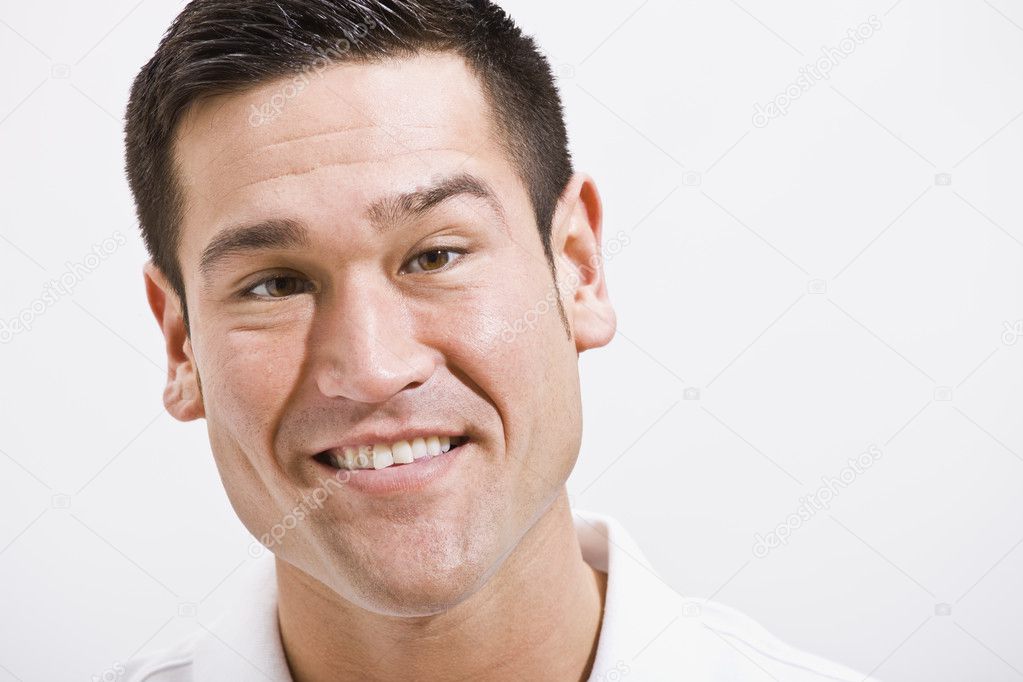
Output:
[[278, 287], [429, 261], [432, 260]]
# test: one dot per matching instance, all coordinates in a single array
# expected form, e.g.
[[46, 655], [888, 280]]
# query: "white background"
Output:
[[813, 281]]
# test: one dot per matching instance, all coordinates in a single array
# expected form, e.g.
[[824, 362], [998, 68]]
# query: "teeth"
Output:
[[382, 455], [419, 448], [357, 458], [402, 452]]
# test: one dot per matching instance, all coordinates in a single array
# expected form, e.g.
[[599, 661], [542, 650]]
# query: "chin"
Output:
[[416, 591], [417, 568]]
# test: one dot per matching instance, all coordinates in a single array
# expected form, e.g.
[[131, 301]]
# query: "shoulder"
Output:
[[761, 654], [240, 637], [651, 632], [705, 640]]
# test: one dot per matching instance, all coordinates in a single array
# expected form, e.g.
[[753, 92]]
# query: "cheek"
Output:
[[254, 371], [247, 380], [250, 377], [499, 336], [511, 341]]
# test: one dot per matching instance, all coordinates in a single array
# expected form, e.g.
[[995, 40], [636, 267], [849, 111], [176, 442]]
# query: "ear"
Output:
[[576, 243], [182, 395]]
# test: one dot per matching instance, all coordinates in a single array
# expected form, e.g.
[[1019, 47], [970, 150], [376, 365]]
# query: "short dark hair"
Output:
[[215, 47]]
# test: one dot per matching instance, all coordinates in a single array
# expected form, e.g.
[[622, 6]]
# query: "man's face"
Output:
[[381, 316]]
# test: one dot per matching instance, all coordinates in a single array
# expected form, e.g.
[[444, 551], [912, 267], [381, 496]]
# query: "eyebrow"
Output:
[[399, 208], [387, 211], [267, 235]]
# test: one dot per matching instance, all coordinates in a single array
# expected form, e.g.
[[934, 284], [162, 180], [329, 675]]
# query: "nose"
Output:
[[368, 350]]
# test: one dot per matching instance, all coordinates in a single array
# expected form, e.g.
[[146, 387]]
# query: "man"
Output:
[[352, 206]]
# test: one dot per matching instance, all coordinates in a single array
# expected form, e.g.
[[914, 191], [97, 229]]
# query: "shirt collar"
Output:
[[649, 630]]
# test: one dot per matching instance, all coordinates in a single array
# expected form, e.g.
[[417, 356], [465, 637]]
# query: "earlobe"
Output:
[[182, 395], [578, 233]]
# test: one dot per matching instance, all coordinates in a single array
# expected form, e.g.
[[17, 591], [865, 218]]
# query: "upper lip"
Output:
[[388, 437]]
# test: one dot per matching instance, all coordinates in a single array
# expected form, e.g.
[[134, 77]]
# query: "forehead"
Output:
[[338, 135]]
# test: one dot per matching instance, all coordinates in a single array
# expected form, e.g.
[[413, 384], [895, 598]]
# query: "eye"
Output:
[[432, 260], [280, 286]]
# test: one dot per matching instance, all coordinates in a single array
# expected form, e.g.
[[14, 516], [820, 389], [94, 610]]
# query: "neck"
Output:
[[538, 617]]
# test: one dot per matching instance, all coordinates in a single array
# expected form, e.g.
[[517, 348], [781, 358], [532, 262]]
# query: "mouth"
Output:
[[389, 455]]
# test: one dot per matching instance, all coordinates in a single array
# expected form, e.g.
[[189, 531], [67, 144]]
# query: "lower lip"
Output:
[[400, 479]]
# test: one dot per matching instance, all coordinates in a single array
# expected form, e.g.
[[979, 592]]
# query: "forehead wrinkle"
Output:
[[337, 164], [341, 131], [318, 136]]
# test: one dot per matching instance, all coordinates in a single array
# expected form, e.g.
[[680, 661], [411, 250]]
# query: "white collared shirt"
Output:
[[649, 631]]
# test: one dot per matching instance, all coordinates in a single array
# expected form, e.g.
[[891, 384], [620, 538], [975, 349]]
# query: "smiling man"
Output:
[[351, 206]]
